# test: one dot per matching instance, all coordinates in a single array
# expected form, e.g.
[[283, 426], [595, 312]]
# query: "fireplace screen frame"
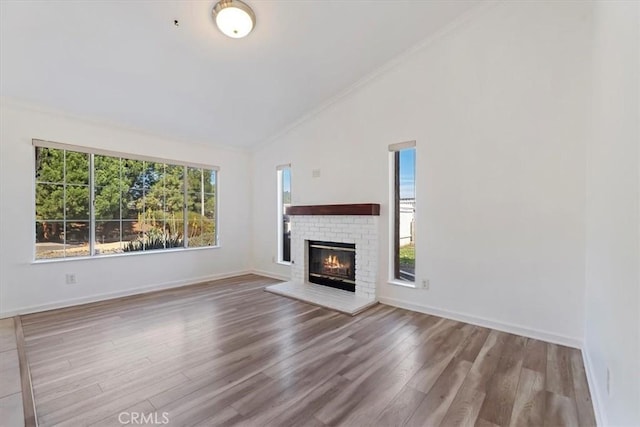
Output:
[[335, 281]]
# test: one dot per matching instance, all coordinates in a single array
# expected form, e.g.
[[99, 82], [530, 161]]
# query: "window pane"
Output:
[[173, 202], [286, 186], [174, 223], [107, 202], [131, 171], [108, 194], [77, 202], [49, 239], [194, 180], [209, 220], [49, 201], [201, 207], [133, 206], [132, 188], [132, 236], [108, 237], [405, 211], [77, 168], [286, 224], [173, 182], [107, 170], [159, 176], [210, 206], [76, 239], [151, 173], [49, 165], [151, 205], [195, 208], [195, 220], [209, 180]]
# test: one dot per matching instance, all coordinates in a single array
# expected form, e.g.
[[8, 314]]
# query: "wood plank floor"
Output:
[[11, 409], [228, 353]]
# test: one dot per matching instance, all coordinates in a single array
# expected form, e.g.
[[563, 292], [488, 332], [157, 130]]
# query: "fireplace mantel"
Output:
[[369, 209]]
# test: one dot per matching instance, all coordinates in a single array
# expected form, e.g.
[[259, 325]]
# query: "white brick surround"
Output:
[[360, 230]]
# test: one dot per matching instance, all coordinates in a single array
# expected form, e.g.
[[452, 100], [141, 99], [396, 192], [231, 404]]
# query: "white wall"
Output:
[[498, 107], [25, 285], [612, 330]]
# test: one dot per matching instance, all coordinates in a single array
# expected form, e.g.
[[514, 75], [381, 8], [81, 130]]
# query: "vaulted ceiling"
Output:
[[126, 62]]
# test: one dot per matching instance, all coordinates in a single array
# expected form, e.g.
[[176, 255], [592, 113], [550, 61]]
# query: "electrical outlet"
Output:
[[71, 279], [608, 382], [315, 173], [425, 284]]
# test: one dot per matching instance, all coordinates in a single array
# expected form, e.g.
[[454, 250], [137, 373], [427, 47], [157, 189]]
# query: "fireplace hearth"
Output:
[[333, 264]]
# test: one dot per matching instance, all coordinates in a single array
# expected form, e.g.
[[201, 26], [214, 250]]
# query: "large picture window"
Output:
[[404, 209], [93, 203], [284, 225]]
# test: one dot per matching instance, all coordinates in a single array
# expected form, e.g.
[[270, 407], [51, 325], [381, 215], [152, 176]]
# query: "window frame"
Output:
[[394, 213], [92, 152], [280, 211]]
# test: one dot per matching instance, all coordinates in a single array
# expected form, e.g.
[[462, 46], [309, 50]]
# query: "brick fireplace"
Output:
[[340, 227]]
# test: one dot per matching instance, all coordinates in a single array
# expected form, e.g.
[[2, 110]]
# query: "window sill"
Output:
[[287, 263], [402, 283], [119, 255]]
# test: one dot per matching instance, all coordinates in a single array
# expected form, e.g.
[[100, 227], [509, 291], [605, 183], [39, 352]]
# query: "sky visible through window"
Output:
[[286, 180], [408, 174]]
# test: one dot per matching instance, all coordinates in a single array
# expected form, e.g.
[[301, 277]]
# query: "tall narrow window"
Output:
[[404, 209], [201, 207], [284, 201]]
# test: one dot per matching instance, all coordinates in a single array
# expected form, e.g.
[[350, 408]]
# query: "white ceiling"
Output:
[[126, 62]]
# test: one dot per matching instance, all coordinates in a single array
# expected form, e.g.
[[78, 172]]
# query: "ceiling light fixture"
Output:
[[234, 18]]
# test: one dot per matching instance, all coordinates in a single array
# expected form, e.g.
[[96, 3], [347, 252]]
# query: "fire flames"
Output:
[[332, 261], [333, 265]]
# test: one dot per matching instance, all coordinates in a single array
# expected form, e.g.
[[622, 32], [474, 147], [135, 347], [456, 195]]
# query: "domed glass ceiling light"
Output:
[[234, 18]]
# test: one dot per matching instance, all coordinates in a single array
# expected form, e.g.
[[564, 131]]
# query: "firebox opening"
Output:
[[333, 264]]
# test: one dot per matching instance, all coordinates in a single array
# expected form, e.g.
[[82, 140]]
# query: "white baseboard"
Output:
[[271, 275], [487, 323], [596, 399], [119, 294]]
